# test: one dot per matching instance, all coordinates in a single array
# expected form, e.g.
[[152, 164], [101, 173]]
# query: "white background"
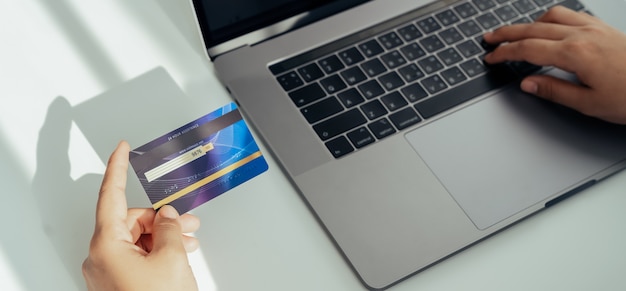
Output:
[[57, 54]]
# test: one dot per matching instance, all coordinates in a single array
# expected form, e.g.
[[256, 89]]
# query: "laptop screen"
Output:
[[222, 21]]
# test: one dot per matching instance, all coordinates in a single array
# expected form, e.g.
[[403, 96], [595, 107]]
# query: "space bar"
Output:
[[463, 93]]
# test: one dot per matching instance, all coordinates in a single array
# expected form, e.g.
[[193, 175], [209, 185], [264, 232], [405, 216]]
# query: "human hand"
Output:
[[575, 42], [137, 249]]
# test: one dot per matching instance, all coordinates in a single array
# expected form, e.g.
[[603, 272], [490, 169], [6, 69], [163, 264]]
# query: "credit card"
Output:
[[198, 161]]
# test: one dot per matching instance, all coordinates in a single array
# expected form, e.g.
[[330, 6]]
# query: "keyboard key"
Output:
[[434, 84], [413, 51], [350, 97], [523, 6], [311, 72], [373, 67], [339, 147], [307, 94], [465, 10], [391, 81], [351, 56], [394, 101], [320, 110], [290, 81], [535, 15], [414, 92], [360, 137], [428, 25], [393, 59], [331, 64], [404, 118], [451, 35], [450, 56], [373, 109], [542, 3], [484, 4], [371, 48], [353, 76], [522, 20], [410, 73], [341, 123], [453, 76], [469, 28], [381, 128], [371, 89], [431, 43], [464, 92], [473, 67], [572, 4], [506, 13], [430, 64], [488, 21], [468, 48], [333, 84], [409, 32], [485, 45], [390, 40], [447, 17]]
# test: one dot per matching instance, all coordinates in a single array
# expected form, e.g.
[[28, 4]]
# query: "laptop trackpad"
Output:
[[507, 153]]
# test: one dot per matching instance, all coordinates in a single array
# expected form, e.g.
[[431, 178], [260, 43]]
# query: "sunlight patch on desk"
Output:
[[201, 271], [83, 158], [8, 276]]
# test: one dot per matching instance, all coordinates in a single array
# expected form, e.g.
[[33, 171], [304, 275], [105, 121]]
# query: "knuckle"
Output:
[[578, 47], [522, 47], [170, 225], [546, 91], [86, 266], [106, 188]]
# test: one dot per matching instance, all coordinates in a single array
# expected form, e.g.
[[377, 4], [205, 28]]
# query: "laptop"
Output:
[[404, 145]]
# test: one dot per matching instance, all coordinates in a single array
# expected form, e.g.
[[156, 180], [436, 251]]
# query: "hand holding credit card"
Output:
[[198, 161]]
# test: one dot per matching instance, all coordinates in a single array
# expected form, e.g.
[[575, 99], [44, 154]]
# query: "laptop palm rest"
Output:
[[550, 147]]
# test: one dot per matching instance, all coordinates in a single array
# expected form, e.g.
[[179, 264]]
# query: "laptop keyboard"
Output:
[[373, 84]]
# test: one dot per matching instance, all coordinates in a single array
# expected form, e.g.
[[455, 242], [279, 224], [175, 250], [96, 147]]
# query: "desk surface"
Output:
[[59, 54]]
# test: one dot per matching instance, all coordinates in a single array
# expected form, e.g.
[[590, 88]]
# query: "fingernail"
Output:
[[487, 34], [529, 87], [168, 211]]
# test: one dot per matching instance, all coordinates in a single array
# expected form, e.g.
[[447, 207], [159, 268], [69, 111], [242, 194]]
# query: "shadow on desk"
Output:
[[137, 111], [66, 205], [23, 244], [238, 233]]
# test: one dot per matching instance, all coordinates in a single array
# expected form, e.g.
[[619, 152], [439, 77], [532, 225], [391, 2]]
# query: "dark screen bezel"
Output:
[[319, 9]]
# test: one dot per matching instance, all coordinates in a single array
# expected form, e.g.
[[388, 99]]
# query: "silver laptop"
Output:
[[404, 145]]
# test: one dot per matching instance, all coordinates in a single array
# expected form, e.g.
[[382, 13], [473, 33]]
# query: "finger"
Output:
[[189, 223], [190, 243], [146, 243], [559, 91], [535, 51], [566, 16], [518, 32], [111, 207], [166, 237], [140, 221]]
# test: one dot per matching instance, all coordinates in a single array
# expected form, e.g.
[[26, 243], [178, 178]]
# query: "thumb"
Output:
[[559, 91], [167, 232]]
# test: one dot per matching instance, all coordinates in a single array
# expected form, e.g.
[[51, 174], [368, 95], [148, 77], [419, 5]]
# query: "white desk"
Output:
[[57, 54]]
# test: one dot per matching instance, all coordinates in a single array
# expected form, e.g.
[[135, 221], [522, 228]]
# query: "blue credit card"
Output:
[[198, 161]]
